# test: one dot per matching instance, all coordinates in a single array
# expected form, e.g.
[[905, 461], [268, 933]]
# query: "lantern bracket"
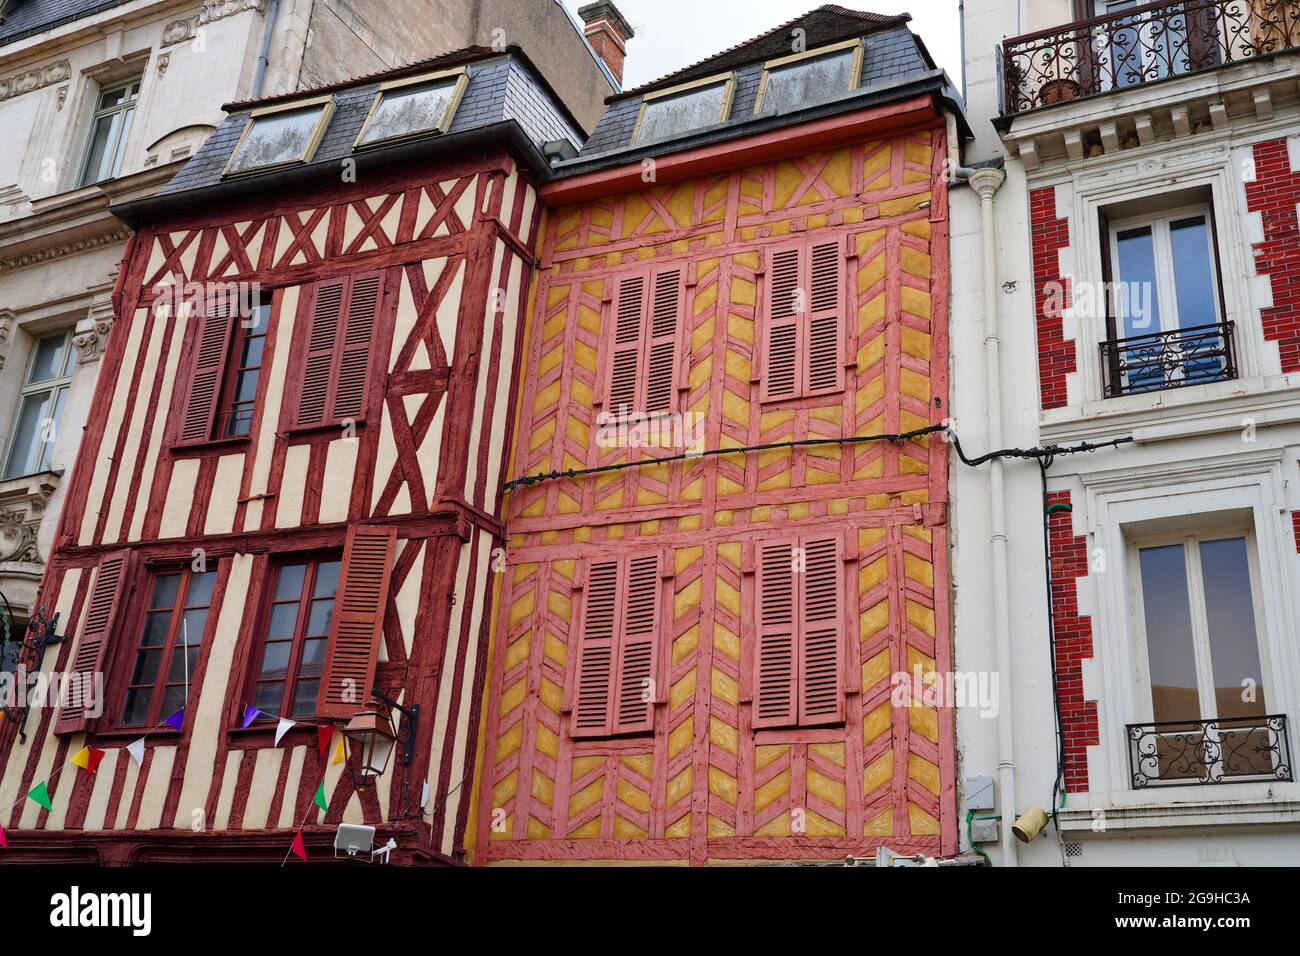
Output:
[[412, 716]]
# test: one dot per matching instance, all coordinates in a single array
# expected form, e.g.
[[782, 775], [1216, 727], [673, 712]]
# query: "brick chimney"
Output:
[[608, 33]]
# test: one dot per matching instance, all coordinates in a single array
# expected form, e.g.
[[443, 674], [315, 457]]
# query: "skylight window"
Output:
[[811, 77], [683, 108], [280, 136], [421, 104]]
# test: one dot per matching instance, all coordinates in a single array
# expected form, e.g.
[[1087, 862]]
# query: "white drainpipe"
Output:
[[986, 182]]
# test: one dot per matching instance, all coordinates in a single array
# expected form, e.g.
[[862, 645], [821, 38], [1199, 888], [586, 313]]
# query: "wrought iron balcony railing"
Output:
[[1222, 750], [1139, 45], [1163, 360]]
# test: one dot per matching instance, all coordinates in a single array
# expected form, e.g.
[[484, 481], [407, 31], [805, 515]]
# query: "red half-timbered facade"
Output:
[[285, 497]]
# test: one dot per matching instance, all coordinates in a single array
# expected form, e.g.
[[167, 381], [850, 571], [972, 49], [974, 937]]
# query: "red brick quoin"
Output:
[[1073, 643], [1049, 235], [1274, 195]]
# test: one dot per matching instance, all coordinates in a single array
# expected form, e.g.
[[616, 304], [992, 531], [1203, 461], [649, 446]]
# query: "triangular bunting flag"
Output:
[[320, 798], [136, 750], [41, 795], [250, 714], [323, 735], [88, 758], [338, 754], [299, 849], [4, 843], [176, 720], [280, 731]]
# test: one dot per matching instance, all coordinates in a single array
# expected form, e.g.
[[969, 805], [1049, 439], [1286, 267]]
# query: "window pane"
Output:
[[283, 619], [275, 659], [676, 114], [1193, 272], [251, 354], [288, 583], [304, 698], [192, 625], [807, 81], [165, 587], [313, 657], [154, 632], [200, 590], [278, 138], [176, 672], [1234, 642], [146, 667], [103, 149], [173, 700], [327, 579], [318, 625], [136, 710], [1139, 307], [26, 449], [412, 110], [49, 430], [269, 696], [48, 360], [1172, 662]]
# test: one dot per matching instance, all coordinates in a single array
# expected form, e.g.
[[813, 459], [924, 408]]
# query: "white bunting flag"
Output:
[[280, 731], [136, 750]]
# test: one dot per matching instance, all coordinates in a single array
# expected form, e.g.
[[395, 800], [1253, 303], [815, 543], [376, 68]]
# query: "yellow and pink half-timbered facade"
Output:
[[726, 525], [284, 502]]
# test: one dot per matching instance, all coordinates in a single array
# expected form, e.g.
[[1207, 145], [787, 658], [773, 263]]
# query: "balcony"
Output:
[[1159, 361], [1221, 750], [1143, 44]]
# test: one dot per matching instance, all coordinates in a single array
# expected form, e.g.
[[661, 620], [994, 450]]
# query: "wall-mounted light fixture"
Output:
[[372, 738]]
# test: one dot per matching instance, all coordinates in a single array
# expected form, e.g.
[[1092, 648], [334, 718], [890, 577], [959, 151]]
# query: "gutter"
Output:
[[506, 133], [262, 58]]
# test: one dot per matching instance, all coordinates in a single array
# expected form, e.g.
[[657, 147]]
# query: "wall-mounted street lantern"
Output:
[[372, 738]]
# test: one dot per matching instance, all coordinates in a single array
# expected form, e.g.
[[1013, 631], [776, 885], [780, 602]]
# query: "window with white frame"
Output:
[[44, 393], [1198, 615], [110, 127], [809, 77], [683, 108], [1165, 326], [281, 135], [410, 107]]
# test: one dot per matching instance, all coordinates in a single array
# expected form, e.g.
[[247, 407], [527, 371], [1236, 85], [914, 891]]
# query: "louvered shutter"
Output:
[[636, 644], [354, 349], [784, 303], [107, 598], [774, 664], [595, 675], [662, 342], [357, 621], [820, 696], [823, 323], [207, 370], [322, 336], [625, 363]]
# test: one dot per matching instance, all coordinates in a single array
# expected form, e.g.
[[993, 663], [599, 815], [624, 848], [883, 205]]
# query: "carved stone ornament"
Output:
[[34, 79], [179, 31]]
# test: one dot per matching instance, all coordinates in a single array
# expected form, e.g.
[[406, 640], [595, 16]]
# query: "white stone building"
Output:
[[101, 102], [1135, 277]]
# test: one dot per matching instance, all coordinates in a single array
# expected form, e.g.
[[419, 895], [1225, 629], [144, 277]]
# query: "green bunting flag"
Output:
[[41, 796], [320, 798]]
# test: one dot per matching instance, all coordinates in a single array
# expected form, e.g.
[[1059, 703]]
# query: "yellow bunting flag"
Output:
[[338, 753]]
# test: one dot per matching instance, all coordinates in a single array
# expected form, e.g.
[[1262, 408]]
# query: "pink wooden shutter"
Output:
[[774, 664], [781, 329], [636, 646], [354, 360], [313, 403], [662, 342], [820, 684], [107, 598], [625, 363], [207, 371], [596, 655], [825, 368], [357, 622]]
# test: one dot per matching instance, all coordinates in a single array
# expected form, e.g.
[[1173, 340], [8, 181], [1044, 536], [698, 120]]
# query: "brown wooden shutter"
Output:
[[592, 716], [625, 363], [823, 350], [314, 400], [774, 663], [357, 622], [783, 305], [636, 646], [661, 346], [354, 349], [207, 371], [107, 598], [821, 699]]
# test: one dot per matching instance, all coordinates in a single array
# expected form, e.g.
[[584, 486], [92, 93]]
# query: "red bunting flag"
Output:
[[323, 735], [4, 843], [88, 758], [299, 849]]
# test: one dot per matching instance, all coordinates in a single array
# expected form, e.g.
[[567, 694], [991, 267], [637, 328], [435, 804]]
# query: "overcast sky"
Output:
[[671, 34]]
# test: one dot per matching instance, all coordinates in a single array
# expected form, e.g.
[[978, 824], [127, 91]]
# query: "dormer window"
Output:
[[283, 135], [680, 109], [809, 77], [413, 106]]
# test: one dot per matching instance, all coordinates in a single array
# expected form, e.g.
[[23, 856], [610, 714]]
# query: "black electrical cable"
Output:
[[1043, 465]]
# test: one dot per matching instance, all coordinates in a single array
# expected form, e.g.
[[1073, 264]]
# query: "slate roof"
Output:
[[502, 86], [24, 18]]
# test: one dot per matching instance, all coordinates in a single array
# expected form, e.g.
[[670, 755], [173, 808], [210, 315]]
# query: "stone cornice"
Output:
[[178, 31]]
